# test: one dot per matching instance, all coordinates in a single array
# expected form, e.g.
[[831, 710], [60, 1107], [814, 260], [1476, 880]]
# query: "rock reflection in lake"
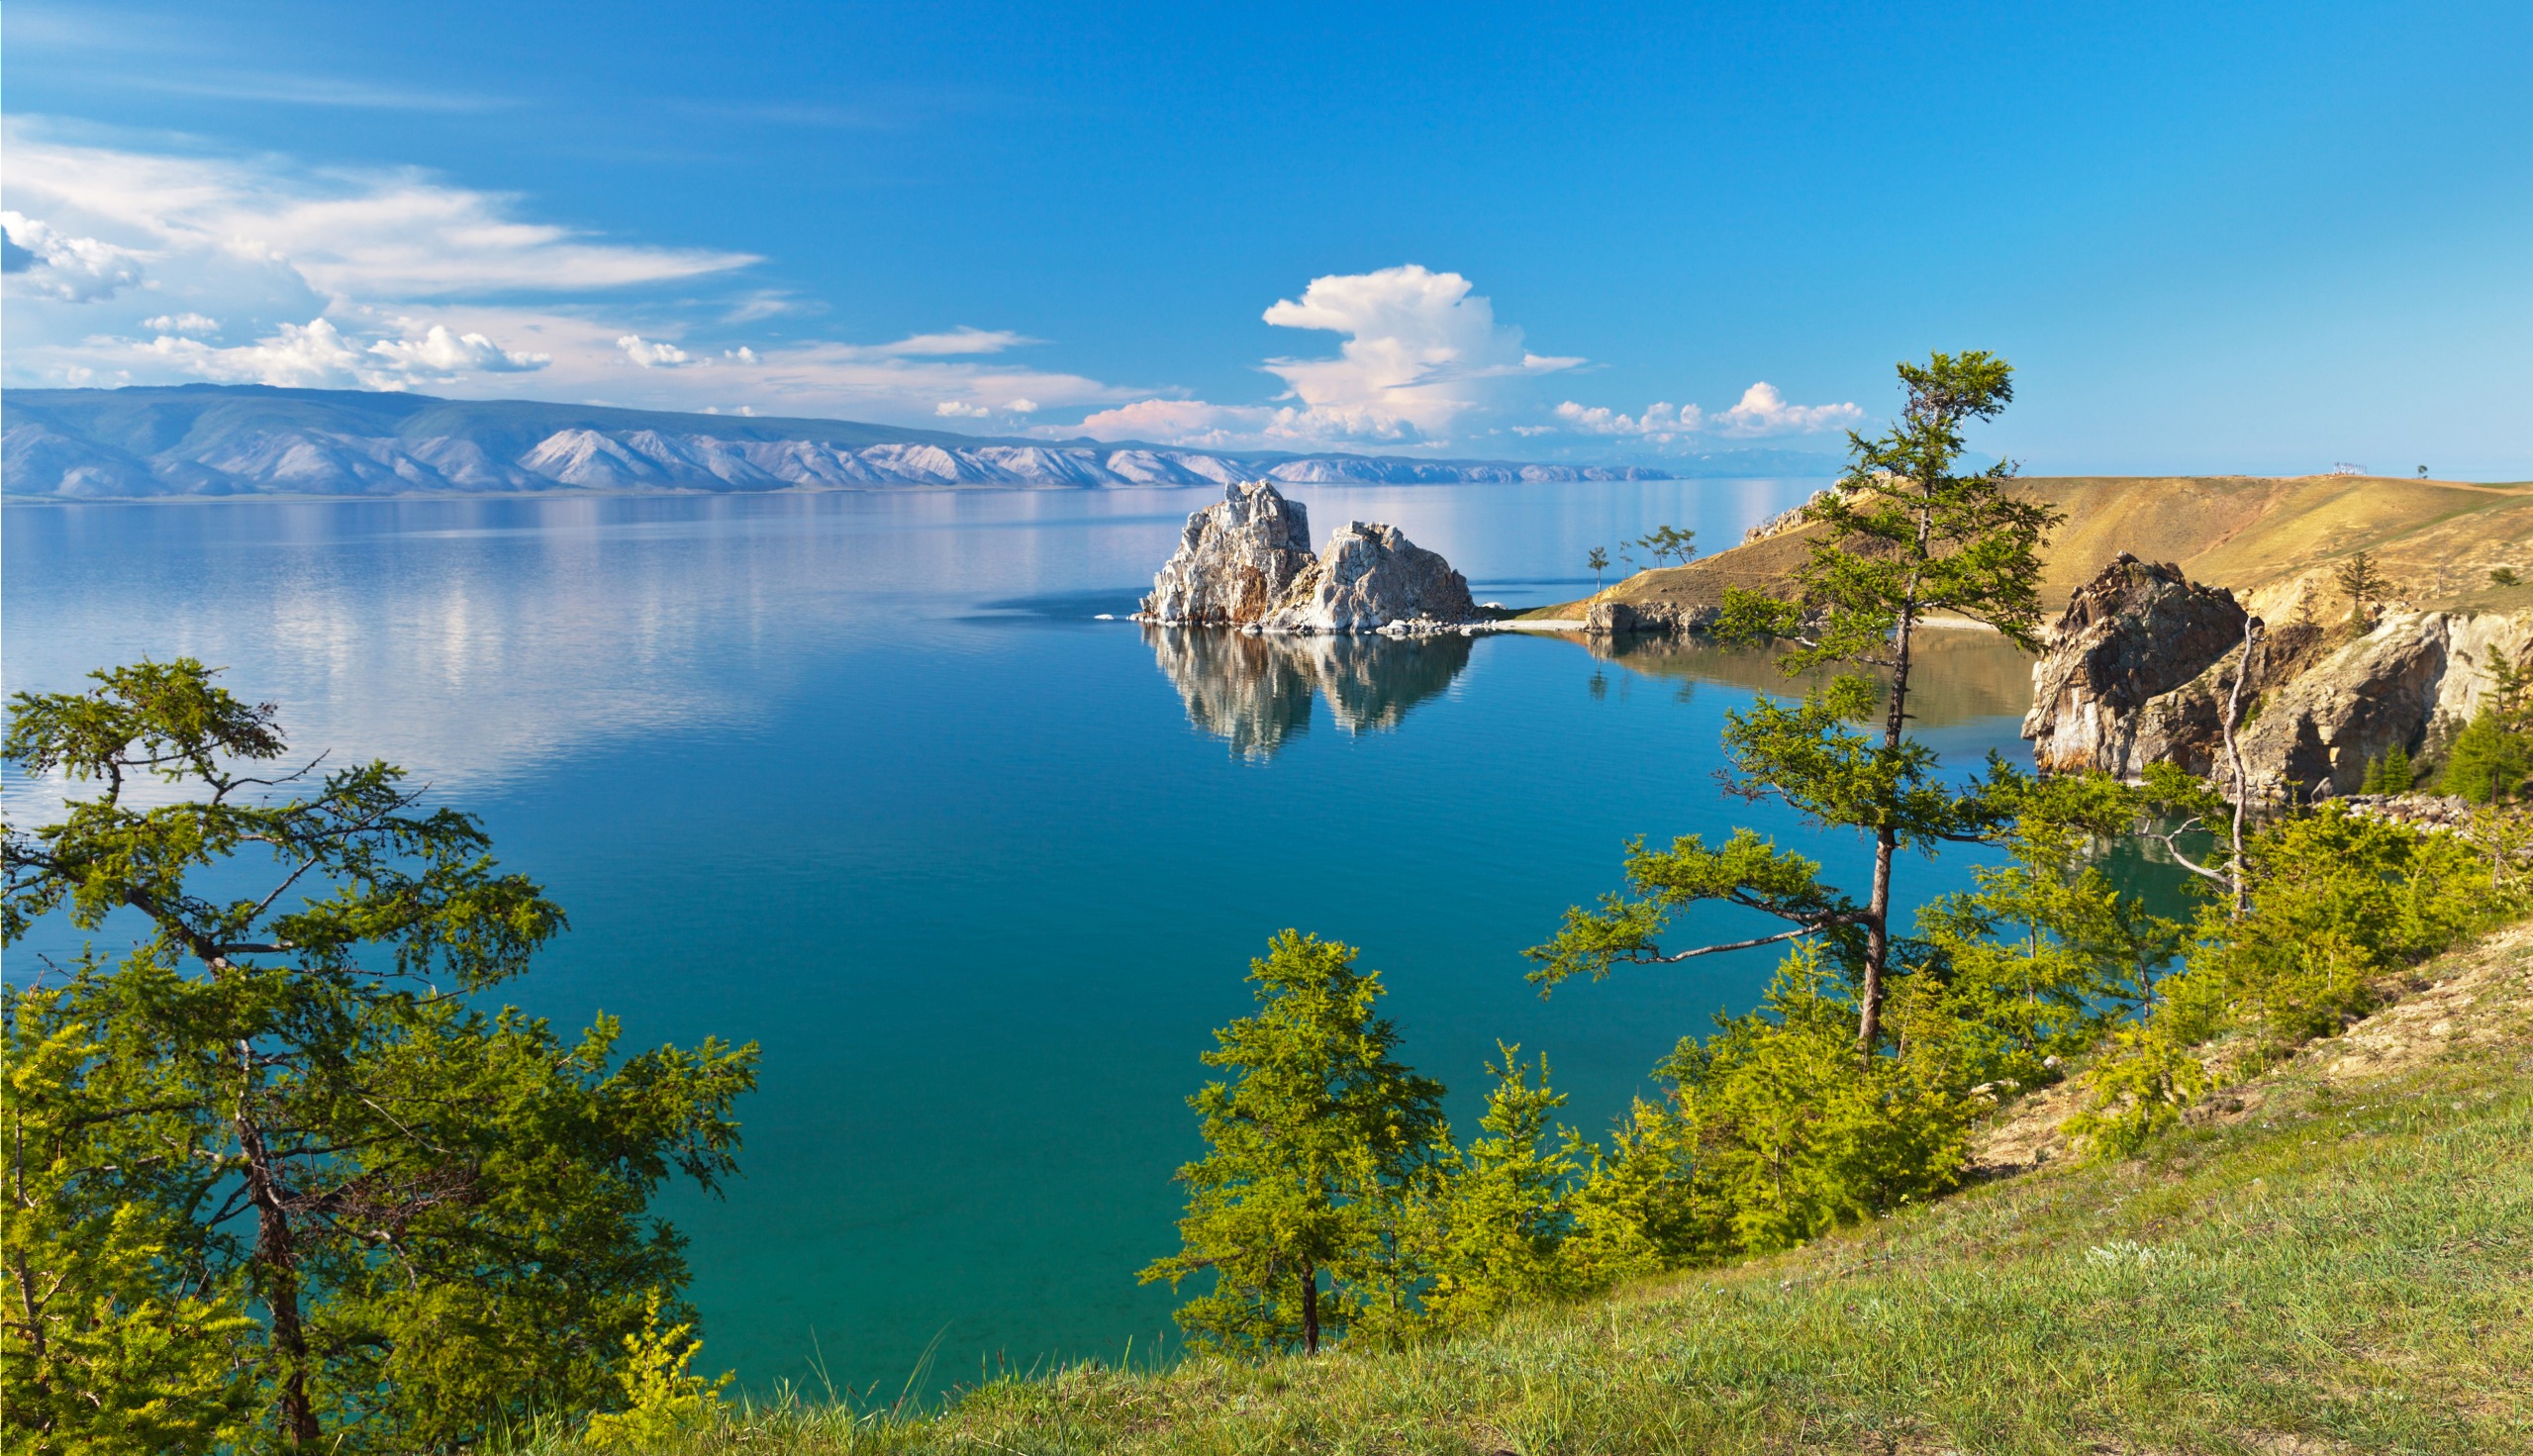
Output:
[[1962, 674], [1255, 692]]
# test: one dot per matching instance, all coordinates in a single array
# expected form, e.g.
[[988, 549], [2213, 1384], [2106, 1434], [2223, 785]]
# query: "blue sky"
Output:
[[2211, 238]]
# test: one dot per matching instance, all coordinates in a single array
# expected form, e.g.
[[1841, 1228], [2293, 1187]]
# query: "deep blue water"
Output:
[[861, 777]]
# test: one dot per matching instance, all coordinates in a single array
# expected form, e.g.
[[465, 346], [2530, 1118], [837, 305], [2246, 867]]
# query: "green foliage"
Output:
[[1902, 537], [2361, 582], [662, 1399], [1498, 1218], [277, 1155], [2339, 899], [2035, 965], [2490, 757], [2486, 762], [1599, 561], [2389, 774], [1669, 542], [2503, 576], [1792, 1135], [1314, 1141]]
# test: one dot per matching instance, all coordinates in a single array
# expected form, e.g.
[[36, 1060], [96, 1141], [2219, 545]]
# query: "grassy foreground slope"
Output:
[[2338, 1259], [2276, 540]]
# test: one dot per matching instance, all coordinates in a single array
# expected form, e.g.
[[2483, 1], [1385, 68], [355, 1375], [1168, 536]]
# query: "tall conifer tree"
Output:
[[277, 1167], [1904, 537], [1313, 1138]]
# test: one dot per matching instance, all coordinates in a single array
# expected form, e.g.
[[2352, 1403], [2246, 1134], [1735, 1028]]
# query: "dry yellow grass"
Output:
[[2275, 541]]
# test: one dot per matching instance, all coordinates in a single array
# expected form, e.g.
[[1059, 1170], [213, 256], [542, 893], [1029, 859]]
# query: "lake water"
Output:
[[861, 777]]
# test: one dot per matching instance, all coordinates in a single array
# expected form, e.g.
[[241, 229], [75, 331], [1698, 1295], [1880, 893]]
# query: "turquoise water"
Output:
[[862, 777]]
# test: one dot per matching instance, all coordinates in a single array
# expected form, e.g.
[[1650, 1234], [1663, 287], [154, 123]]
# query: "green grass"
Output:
[[2349, 1268]]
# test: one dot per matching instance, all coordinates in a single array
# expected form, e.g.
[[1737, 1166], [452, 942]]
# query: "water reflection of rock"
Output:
[[1962, 674], [1255, 692]]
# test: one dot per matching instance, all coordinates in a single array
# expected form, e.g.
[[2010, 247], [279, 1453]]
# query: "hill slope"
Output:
[[2338, 1259], [2275, 541], [204, 440]]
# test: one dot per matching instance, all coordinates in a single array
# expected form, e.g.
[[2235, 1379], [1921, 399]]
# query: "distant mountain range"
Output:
[[212, 439]]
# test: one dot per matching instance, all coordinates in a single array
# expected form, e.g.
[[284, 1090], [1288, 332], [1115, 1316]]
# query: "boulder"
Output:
[[1236, 560], [2136, 631], [1609, 619], [1369, 576]]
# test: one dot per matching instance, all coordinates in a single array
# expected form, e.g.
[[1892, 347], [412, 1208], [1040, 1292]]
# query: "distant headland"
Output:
[[199, 440]]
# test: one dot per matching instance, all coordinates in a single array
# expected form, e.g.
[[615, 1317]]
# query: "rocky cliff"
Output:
[[1246, 561], [1236, 560], [2137, 632], [2140, 666]]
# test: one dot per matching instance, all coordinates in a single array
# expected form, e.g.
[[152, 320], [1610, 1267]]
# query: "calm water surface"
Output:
[[861, 777]]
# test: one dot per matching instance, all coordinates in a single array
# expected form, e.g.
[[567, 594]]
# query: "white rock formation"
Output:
[[1235, 561], [1247, 562], [1370, 576]]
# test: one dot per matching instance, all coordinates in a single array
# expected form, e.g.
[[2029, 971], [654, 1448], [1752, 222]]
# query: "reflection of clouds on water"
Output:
[[1255, 692], [475, 641]]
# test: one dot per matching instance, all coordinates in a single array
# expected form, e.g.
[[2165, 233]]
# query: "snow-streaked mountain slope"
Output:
[[215, 440]]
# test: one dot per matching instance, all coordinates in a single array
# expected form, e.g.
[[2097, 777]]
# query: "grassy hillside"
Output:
[[2338, 1259], [2275, 541]]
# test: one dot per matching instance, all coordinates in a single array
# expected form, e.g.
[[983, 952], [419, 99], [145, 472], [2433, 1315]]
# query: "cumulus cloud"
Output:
[[40, 260], [1422, 356], [651, 356], [1661, 420], [180, 323], [961, 409], [438, 351], [319, 356], [1762, 411], [1421, 350]]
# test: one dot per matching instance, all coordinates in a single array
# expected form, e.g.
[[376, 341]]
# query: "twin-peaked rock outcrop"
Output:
[[1247, 562], [2141, 665]]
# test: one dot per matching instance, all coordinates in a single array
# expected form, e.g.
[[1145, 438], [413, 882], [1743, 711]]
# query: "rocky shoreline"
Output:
[[2141, 667]]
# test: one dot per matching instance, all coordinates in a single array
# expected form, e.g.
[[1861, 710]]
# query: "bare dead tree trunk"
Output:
[[2237, 879]]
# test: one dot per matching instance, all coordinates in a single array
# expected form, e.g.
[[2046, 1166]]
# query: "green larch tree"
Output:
[[277, 1174], [2361, 582], [1905, 536], [1499, 1217], [1314, 1137]]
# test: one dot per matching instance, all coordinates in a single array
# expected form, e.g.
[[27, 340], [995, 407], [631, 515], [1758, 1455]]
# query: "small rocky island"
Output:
[[1247, 562]]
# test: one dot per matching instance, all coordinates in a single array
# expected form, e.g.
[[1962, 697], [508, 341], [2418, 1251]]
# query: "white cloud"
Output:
[[1763, 411], [651, 356], [181, 324], [1661, 422], [346, 234], [961, 409], [438, 351], [959, 340], [1423, 357], [319, 356], [313, 356], [1421, 350], [45, 262]]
